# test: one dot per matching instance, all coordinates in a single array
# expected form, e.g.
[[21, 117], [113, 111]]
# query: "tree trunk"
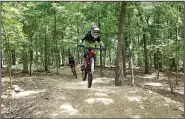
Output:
[[9, 63], [1, 75], [101, 66], [145, 45], [159, 60], [36, 57], [124, 58], [158, 64], [78, 32], [131, 62], [104, 58], [183, 65], [52, 57], [110, 59], [8, 56], [176, 42], [168, 73], [56, 42], [25, 58], [132, 71], [155, 61], [139, 63], [119, 60], [46, 50], [145, 53], [101, 60], [31, 54], [13, 56], [63, 56], [1, 57]]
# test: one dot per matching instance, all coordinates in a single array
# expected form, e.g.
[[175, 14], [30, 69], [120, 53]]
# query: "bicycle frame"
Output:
[[87, 70], [89, 60]]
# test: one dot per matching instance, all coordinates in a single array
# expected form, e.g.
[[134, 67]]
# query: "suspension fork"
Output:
[[91, 55], [89, 60]]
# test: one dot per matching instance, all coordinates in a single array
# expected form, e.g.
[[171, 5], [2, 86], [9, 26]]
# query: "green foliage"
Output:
[[23, 21]]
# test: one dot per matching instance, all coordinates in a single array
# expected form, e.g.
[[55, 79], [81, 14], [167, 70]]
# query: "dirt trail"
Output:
[[64, 96]]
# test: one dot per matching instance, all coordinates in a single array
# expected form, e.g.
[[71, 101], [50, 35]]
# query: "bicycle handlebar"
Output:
[[93, 48]]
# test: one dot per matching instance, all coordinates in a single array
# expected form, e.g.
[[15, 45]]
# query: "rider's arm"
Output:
[[86, 37], [100, 42]]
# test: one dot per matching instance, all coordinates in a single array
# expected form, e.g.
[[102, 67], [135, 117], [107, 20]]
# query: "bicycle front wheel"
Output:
[[90, 77]]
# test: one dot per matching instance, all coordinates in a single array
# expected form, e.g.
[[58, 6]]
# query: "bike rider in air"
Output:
[[91, 39]]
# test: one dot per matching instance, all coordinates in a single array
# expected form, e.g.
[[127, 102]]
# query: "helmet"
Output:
[[94, 31], [95, 28]]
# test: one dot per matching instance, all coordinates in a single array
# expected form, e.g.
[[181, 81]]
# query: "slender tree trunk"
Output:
[[123, 48], [9, 63], [56, 42], [145, 45], [52, 54], [132, 71], [176, 42], [159, 60], [101, 65], [183, 65], [145, 54], [124, 58], [77, 41], [59, 57], [8, 56], [155, 61], [1, 48], [63, 56], [158, 68], [36, 57], [110, 59], [119, 60], [25, 58], [46, 50], [13, 56], [170, 83], [139, 63], [131, 62], [31, 44], [104, 58], [31, 54], [1, 57]]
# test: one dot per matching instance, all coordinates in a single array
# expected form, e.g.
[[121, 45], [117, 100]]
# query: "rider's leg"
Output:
[[71, 67]]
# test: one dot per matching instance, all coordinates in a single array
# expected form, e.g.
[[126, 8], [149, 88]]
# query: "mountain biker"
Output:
[[91, 39], [71, 61]]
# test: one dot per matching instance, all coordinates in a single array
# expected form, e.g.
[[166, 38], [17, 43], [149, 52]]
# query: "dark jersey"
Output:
[[88, 37], [71, 61]]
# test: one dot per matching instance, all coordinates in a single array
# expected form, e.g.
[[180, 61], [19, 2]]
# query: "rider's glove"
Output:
[[102, 47], [81, 44]]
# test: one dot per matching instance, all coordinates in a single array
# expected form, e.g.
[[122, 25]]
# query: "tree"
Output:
[[119, 61]]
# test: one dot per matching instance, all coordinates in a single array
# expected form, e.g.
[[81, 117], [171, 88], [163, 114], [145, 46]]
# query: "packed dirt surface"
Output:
[[46, 95]]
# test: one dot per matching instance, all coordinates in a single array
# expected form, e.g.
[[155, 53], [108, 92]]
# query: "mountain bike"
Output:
[[89, 68]]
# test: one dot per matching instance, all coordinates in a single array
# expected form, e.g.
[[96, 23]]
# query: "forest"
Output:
[[139, 75]]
